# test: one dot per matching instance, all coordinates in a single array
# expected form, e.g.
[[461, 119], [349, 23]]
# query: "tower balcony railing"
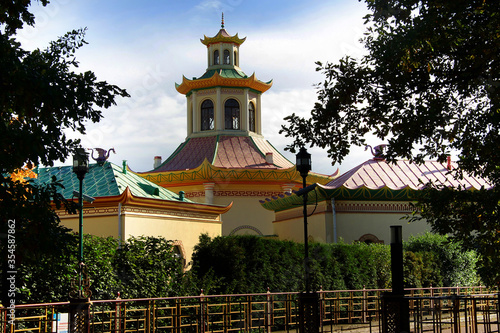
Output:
[[457, 309]]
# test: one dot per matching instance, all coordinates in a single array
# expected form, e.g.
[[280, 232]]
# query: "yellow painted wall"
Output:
[[187, 229], [103, 226], [173, 229], [245, 211]]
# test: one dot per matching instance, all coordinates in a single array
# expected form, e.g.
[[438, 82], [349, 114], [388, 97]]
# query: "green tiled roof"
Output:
[[226, 73], [104, 181]]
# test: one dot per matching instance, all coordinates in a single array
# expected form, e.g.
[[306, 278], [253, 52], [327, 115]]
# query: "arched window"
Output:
[[370, 239], [216, 57], [226, 57], [232, 114], [235, 59], [207, 115], [251, 117]]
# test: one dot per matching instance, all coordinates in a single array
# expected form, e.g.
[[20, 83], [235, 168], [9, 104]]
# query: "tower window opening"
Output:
[[226, 57], [235, 58], [251, 117], [207, 115], [232, 114], [216, 57]]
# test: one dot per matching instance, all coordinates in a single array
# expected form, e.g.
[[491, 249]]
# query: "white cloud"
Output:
[[149, 57]]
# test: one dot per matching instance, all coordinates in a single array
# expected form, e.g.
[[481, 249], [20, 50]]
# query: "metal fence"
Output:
[[459, 309]]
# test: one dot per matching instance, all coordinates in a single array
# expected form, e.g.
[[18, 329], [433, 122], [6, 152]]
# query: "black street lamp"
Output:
[[303, 165], [308, 302], [80, 168]]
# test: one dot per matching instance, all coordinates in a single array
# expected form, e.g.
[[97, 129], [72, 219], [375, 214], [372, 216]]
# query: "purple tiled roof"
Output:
[[190, 154], [235, 152], [377, 174]]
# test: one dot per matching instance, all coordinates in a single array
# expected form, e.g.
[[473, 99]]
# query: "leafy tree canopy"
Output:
[[41, 96], [428, 85]]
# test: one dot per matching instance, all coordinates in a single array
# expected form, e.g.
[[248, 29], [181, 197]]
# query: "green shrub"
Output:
[[446, 262]]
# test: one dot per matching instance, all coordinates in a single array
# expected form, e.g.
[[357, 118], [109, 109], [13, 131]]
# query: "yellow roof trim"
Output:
[[220, 38], [217, 80], [207, 172]]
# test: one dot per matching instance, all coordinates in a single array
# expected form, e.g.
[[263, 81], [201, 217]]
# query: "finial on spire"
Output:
[[222, 23]]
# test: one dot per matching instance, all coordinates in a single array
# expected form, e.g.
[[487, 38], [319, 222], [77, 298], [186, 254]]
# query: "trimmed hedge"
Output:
[[147, 267], [141, 267], [248, 264], [251, 264]]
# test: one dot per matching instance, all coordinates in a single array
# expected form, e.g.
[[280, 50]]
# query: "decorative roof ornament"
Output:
[[222, 37], [377, 151], [102, 157]]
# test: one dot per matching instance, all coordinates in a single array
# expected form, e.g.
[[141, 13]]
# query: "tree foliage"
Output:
[[141, 267], [42, 95], [436, 260], [148, 267], [428, 85]]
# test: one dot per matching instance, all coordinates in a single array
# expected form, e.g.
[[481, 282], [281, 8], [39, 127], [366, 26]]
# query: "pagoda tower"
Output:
[[225, 157]]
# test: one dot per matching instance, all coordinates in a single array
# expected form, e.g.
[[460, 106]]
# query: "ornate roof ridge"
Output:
[[222, 37], [217, 80]]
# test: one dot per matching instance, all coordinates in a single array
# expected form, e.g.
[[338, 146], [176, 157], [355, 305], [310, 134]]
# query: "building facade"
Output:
[[225, 158]]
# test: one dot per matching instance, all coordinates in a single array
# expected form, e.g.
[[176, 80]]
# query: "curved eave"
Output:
[[208, 172], [127, 198], [217, 80], [322, 193], [219, 38]]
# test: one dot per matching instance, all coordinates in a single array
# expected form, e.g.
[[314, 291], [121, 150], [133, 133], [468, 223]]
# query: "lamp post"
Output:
[[80, 168], [303, 165], [309, 320], [79, 305]]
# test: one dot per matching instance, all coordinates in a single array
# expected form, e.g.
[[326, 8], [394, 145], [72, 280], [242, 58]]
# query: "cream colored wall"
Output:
[[291, 225], [243, 96], [350, 226], [185, 229], [103, 226], [245, 211], [188, 231]]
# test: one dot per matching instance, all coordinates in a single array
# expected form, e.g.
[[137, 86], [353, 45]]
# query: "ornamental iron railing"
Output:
[[458, 309]]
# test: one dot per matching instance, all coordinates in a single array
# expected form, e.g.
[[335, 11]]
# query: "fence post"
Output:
[[151, 322], [202, 313], [79, 315], [309, 320], [321, 306], [456, 314], [248, 313], [269, 311], [365, 306], [118, 314], [395, 308]]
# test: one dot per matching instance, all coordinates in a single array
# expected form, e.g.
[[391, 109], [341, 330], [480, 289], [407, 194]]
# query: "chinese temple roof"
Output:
[[377, 179], [109, 183], [223, 77], [375, 174], [225, 151], [105, 181], [222, 37], [224, 157]]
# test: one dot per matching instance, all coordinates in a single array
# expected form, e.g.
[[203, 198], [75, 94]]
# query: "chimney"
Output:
[[269, 158], [157, 162], [448, 164]]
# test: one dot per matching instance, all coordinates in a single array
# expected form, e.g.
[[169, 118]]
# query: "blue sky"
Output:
[[147, 46]]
